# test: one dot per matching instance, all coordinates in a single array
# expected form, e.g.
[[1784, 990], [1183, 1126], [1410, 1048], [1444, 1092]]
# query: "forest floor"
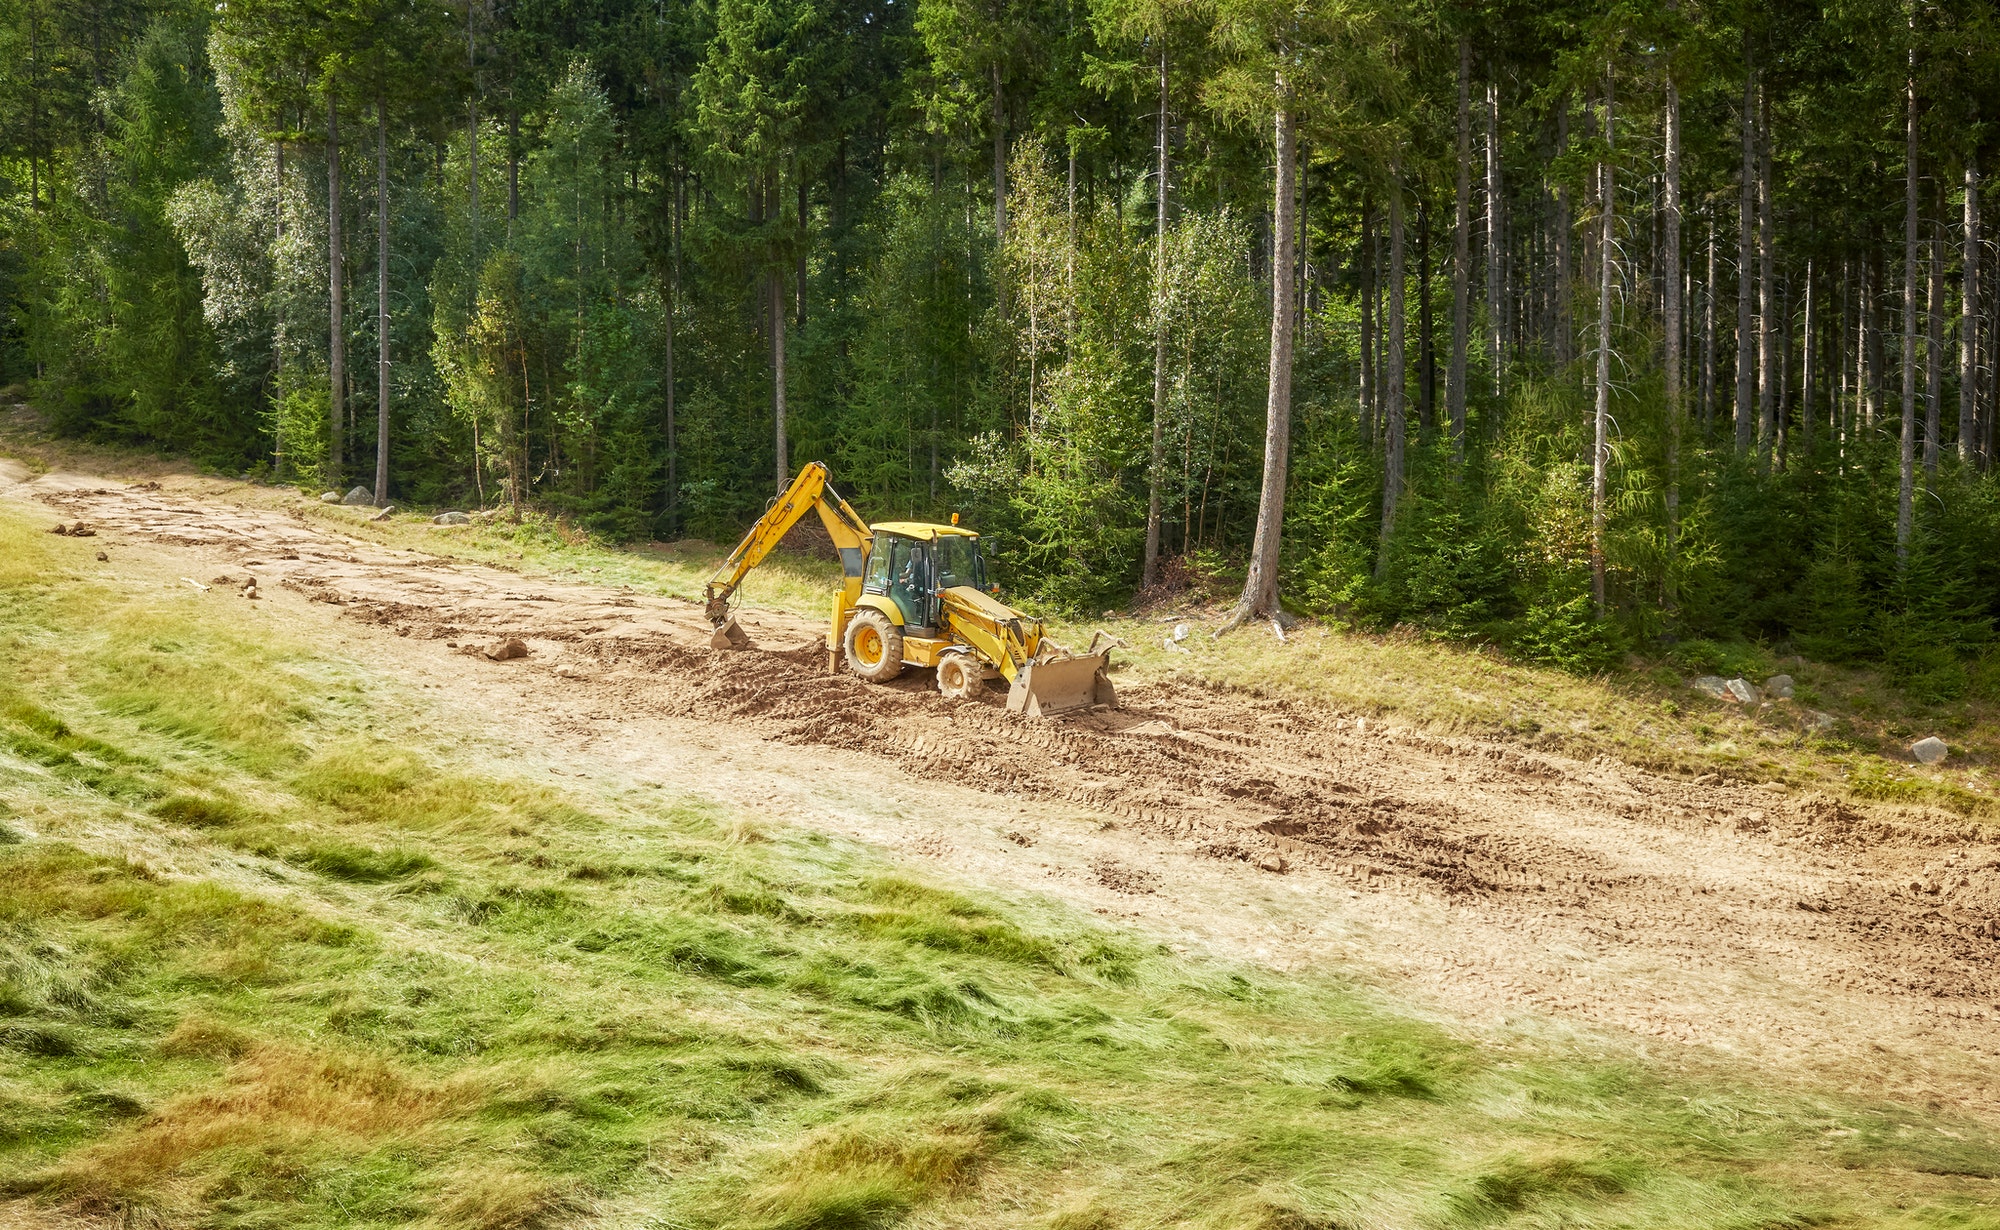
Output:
[[1785, 997]]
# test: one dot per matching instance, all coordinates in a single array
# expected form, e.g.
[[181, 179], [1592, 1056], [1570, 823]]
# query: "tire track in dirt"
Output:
[[1895, 905]]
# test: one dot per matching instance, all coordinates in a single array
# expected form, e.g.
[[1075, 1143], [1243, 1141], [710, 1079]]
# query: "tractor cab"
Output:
[[913, 562]]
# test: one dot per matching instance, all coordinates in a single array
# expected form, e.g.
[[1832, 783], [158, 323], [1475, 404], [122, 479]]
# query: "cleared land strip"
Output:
[[1864, 945]]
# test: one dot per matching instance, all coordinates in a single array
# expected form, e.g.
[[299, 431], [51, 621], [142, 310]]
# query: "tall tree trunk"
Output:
[[1934, 352], [381, 304], [782, 453], [1156, 462], [675, 207], [513, 170], [1496, 309], [1968, 324], [1745, 261], [1397, 424], [336, 281], [1906, 472], [1461, 258], [1366, 380], [1260, 587], [999, 161], [1601, 453], [1670, 310], [1426, 342], [1767, 290], [1708, 337], [1565, 267], [1809, 369]]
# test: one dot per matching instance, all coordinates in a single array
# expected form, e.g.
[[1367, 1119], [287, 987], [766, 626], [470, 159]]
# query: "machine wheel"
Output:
[[960, 676], [874, 646]]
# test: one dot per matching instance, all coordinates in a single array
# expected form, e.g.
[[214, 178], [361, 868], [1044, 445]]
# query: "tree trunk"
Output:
[[1454, 385], [381, 304], [1968, 324], [1708, 337], [1397, 424], [1767, 319], [1745, 258], [1809, 369], [1906, 472], [1426, 344], [1934, 352], [1496, 310], [1565, 267], [667, 375], [513, 171], [336, 282], [999, 161], [1157, 459], [1366, 380], [784, 465], [1670, 310], [1601, 453], [1260, 587]]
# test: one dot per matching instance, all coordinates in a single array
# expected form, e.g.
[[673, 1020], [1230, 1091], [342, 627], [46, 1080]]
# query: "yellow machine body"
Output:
[[897, 571]]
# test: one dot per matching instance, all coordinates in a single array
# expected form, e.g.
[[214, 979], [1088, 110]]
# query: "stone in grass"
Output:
[[1742, 690], [386, 513], [451, 518], [360, 495], [512, 647], [1778, 687], [1929, 751], [1713, 685], [330, 497]]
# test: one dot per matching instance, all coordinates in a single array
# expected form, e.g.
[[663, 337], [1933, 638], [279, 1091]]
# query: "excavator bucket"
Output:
[[729, 635], [1065, 683]]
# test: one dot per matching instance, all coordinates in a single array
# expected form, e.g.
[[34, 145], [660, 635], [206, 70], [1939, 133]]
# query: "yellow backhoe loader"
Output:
[[916, 594]]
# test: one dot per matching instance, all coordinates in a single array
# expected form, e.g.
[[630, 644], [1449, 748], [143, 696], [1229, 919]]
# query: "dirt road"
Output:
[[1504, 887]]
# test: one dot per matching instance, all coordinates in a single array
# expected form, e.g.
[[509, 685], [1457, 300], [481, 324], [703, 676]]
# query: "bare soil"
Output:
[[1504, 887]]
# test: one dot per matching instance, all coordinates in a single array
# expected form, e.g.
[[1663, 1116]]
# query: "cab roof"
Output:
[[920, 529]]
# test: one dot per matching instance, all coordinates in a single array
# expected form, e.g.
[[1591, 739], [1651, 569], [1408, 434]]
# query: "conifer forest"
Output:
[[1579, 328]]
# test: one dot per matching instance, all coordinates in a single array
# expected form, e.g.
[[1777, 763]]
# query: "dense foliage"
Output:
[[641, 260]]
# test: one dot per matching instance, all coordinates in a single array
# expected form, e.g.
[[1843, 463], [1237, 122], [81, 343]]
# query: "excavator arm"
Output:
[[812, 489]]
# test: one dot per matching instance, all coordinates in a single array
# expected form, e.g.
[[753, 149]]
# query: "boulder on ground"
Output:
[[330, 497], [1817, 721], [386, 513], [512, 647], [1778, 687], [360, 495], [1714, 685], [451, 518], [1742, 690], [1929, 751]]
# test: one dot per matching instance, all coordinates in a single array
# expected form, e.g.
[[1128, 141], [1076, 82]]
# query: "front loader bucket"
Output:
[[1067, 683]]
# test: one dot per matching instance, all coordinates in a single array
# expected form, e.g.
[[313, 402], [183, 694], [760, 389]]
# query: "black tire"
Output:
[[874, 646], [960, 676]]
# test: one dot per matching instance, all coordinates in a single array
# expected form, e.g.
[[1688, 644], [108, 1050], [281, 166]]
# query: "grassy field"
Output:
[[272, 956]]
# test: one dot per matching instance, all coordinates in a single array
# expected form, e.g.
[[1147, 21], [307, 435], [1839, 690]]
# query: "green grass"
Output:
[[265, 960]]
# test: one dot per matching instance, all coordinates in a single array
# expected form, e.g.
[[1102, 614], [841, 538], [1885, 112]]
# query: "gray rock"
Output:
[[1714, 685], [1929, 751], [331, 497], [360, 495], [1817, 721], [1741, 690], [451, 518], [386, 513], [1778, 687]]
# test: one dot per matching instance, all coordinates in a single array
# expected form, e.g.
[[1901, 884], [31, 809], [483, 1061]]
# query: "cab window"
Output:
[[877, 579], [959, 562]]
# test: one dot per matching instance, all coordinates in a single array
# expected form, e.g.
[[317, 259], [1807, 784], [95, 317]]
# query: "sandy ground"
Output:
[[1504, 888]]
